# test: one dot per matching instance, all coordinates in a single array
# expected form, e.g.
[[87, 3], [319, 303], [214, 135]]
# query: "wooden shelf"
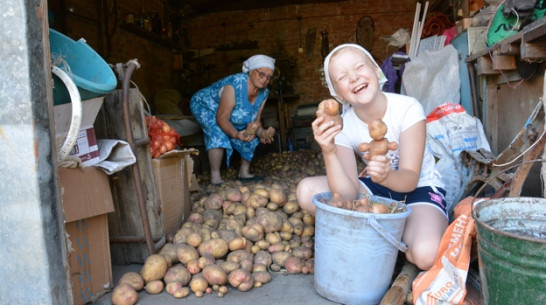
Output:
[[149, 36], [529, 44]]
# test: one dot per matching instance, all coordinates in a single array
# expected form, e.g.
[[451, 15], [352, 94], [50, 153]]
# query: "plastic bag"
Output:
[[433, 78], [451, 130], [445, 282]]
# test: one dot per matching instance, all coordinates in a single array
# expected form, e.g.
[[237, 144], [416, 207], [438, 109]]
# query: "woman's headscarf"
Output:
[[258, 61], [382, 79]]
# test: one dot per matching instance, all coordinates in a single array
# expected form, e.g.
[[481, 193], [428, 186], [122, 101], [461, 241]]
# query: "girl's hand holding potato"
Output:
[[324, 133], [378, 168]]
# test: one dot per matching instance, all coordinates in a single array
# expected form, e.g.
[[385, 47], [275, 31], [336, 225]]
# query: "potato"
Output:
[[228, 234], [271, 221], [263, 257], [229, 266], [186, 253], [280, 257], [169, 253], [239, 276], [237, 243], [276, 247], [247, 264], [378, 129], [154, 287], [172, 287], [239, 255], [253, 232], [215, 275], [194, 239], [196, 218], [262, 277], [177, 290], [277, 195], [252, 128], [198, 284], [308, 231], [261, 191], [273, 237], [290, 207], [213, 201], [181, 292], [234, 209], [177, 273], [214, 215], [379, 208], [258, 267], [216, 247], [302, 252], [154, 268], [132, 278], [262, 244], [329, 110], [193, 266], [233, 195], [205, 261], [256, 201], [308, 219], [124, 294], [293, 264]]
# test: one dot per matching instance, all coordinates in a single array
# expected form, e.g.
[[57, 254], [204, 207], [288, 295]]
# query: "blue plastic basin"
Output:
[[91, 74]]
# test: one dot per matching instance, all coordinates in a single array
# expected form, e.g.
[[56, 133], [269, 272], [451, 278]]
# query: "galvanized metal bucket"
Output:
[[511, 235]]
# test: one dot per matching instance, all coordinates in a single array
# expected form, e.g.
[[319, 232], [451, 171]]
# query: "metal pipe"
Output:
[[131, 66], [473, 89]]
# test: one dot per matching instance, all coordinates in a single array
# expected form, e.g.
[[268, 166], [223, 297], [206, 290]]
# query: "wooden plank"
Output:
[[485, 66], [491, 116], [503, 62], [533, 51], [126, 220]]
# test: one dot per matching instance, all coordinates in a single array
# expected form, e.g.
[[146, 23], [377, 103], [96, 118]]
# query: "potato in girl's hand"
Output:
[[329, 110], [379, 145]]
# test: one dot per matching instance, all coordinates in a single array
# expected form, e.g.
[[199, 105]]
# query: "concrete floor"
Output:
[[285, 289]]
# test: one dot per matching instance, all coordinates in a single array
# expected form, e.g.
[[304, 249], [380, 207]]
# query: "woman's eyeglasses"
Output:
[[263, 75]]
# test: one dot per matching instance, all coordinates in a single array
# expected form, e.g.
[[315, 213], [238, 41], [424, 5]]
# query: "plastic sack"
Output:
[[445, 282], [433, 78], [451, 130]]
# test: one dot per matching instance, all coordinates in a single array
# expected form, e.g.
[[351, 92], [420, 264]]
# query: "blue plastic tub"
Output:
[[91, 74]]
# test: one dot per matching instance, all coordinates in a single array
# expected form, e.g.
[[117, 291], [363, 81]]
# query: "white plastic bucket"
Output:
[[355, 252]]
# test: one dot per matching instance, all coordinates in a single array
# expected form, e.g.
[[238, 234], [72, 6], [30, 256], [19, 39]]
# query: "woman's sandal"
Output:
[[254, 178]]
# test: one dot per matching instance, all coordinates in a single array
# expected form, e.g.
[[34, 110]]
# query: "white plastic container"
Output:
[[355, 252]]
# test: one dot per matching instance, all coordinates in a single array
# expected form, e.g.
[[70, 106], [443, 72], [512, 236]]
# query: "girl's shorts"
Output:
[[425, 195]]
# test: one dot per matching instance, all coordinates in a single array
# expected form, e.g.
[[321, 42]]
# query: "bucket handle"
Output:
[[400, 245], [76, 113]]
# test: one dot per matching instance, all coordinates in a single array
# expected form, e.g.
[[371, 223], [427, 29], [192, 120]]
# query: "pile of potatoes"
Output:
[[236, 235]]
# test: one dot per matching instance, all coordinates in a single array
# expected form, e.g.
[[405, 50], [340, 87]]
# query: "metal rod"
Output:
[[132, 65]]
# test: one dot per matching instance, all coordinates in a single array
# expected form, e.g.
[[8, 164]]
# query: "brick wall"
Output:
[[277, 33], [233, 37]]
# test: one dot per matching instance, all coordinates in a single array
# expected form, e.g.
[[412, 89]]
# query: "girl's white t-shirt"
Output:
[[402, 112]]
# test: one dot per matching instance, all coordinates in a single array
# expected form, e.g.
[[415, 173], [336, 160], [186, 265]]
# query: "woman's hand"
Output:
[[378, 168], [324, 133], [244, 136]]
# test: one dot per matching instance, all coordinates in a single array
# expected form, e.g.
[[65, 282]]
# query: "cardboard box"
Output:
[[173, 175], [86, 200], [86, 143], [477, 39]]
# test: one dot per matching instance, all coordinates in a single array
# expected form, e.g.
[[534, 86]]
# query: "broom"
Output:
[[396, 295]]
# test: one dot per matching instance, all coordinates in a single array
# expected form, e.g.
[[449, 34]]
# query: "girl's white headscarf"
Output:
[[382, 79], [258, 61]]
